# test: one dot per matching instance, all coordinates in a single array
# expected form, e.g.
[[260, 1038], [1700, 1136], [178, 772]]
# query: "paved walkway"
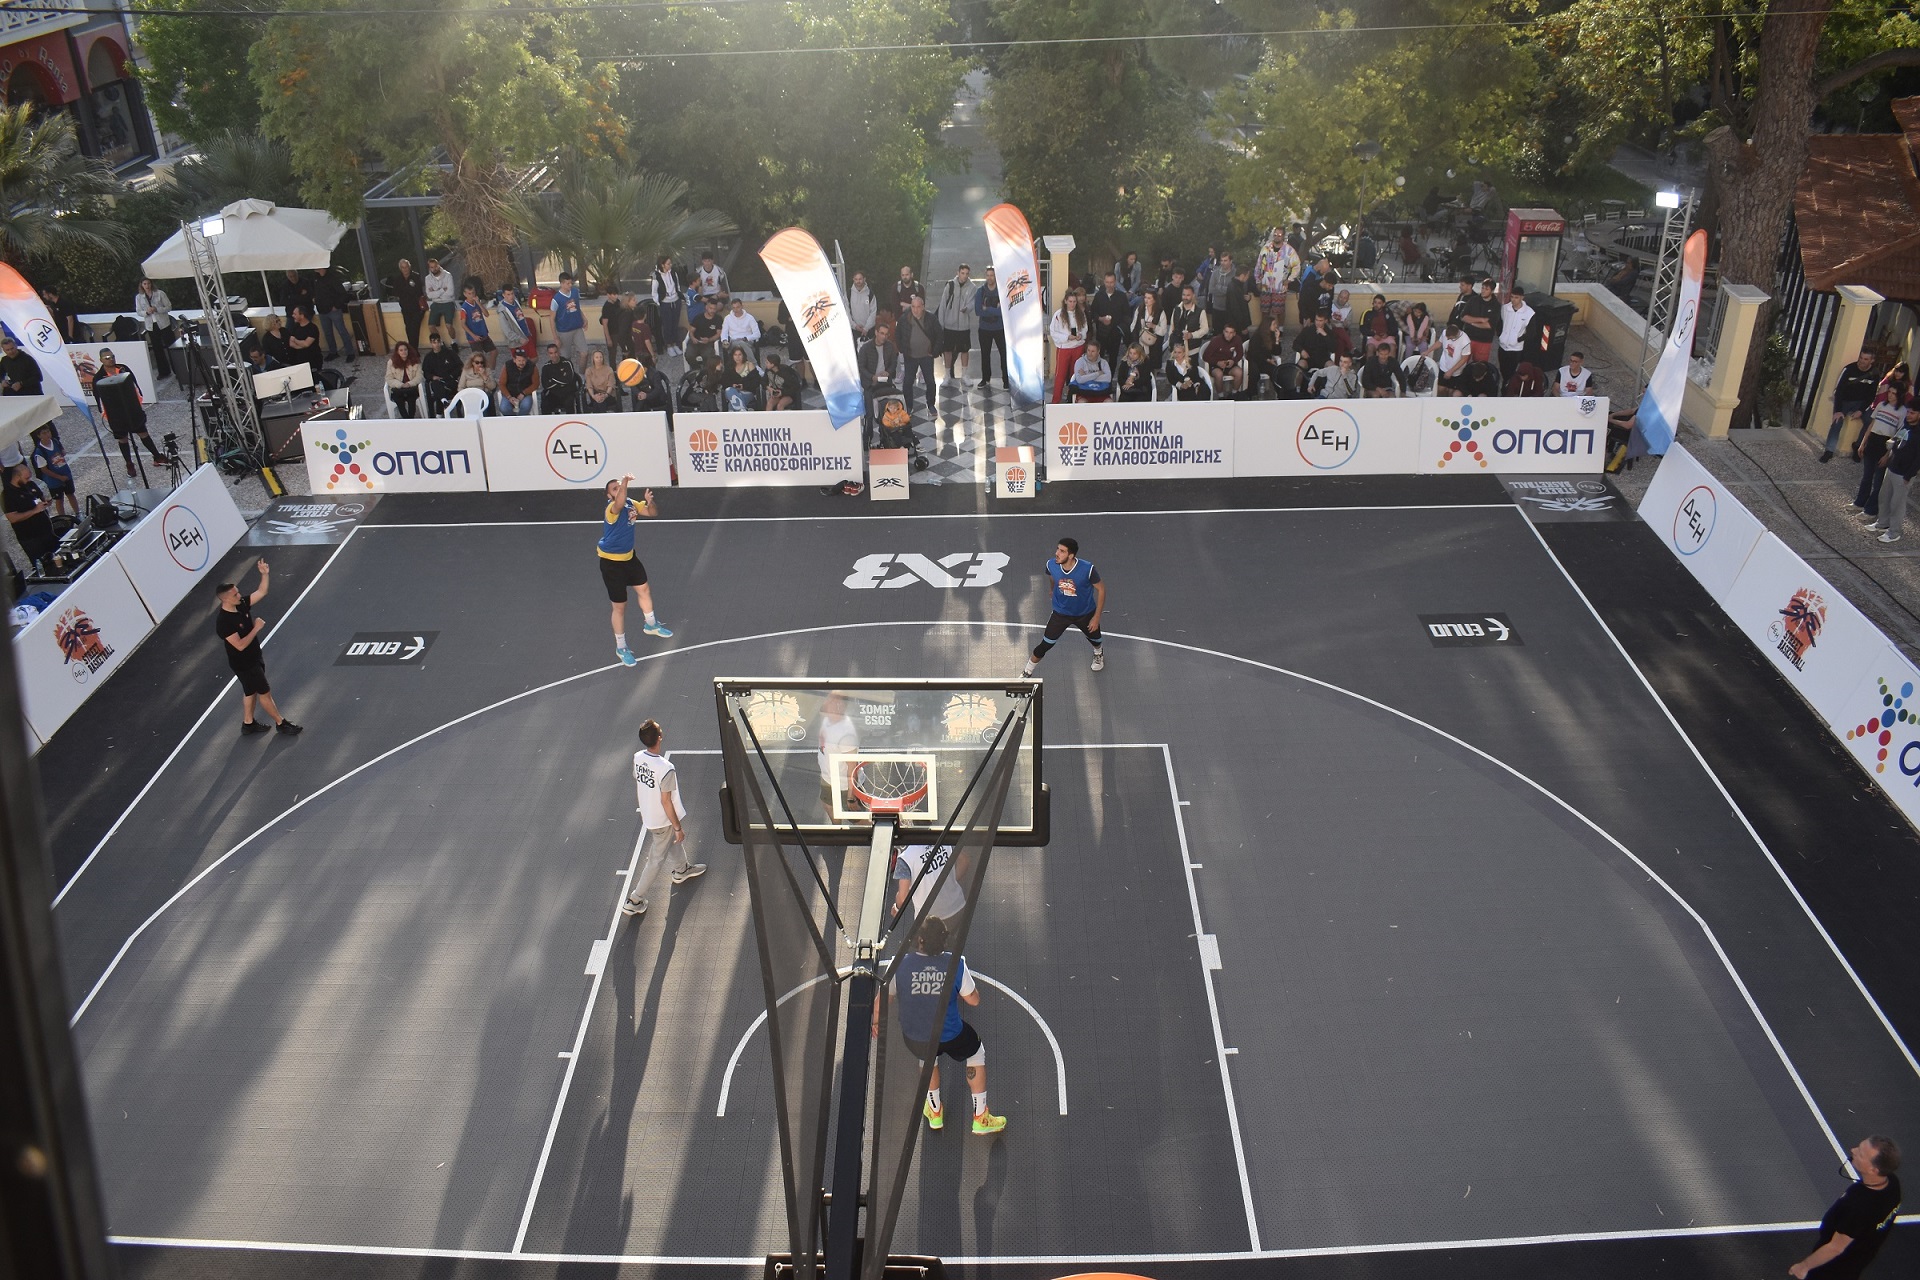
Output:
[[955, 233]]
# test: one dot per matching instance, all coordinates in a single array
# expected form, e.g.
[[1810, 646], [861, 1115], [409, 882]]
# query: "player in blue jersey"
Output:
[[620, 568], [927, 1012], [1079, 598]]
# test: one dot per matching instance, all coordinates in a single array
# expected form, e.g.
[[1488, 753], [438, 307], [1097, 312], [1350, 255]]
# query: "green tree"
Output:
[[43, 173], [487, 90], [611, 224], [195, 74], [1108, 141], [235, 165]]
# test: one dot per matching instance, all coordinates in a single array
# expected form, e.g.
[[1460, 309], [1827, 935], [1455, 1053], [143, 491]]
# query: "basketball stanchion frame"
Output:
[[889, 790]]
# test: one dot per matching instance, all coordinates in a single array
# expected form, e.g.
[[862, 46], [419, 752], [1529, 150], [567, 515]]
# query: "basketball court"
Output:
[[1379, 883]]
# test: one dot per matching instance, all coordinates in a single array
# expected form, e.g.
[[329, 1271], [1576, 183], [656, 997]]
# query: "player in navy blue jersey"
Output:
[[620, 568], [1079, 598]]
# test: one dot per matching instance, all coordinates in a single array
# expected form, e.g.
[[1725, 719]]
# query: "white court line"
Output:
[[1720, 952], [758, 1262], [956, 515], [217, 699], [1059, 1059], [1719, 786], [1213, 1005], [601, 946]]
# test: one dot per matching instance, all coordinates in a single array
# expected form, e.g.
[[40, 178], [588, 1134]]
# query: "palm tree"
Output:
[[237, 164], [609, 222], [44, 182]]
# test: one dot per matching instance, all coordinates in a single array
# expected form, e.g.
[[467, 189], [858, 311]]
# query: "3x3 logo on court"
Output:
[[903, 569]]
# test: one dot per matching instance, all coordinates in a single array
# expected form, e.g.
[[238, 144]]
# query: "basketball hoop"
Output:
[[888, 787]]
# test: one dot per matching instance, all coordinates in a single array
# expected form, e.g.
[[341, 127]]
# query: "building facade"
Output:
[[60, 58]]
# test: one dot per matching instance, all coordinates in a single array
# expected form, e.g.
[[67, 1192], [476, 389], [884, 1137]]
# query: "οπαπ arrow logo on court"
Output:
[[1458, 630], [386, 649]]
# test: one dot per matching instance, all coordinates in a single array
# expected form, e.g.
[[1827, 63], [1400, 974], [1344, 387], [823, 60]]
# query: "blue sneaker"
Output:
[[626, 656], [658, 629]]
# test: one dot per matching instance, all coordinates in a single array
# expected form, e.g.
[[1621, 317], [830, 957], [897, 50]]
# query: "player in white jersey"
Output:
[[837, 735], [950, 901], [656, 785]]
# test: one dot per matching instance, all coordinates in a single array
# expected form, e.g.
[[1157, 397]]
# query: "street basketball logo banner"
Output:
[[1010, 241], [807, 284]]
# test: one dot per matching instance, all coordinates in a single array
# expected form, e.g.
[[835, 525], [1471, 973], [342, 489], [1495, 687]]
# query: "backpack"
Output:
[[125, 329]]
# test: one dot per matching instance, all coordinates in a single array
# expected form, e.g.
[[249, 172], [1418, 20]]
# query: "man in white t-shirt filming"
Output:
[[836, 736], [1574, 376], [657, 786]]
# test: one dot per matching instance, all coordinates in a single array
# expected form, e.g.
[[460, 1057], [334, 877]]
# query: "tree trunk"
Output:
[[1755, 177], [472, 202]]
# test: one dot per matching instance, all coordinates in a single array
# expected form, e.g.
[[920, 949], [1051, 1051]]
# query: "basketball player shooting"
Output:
[[620, 566], [1079, 598]]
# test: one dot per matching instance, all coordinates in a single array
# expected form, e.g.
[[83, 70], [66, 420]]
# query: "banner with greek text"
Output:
[[1539, 434], [176, 545], [571, 451], [1327, 437], [722, 450], [1159, 440], [1021, 312], [807, 285], [394, 455]]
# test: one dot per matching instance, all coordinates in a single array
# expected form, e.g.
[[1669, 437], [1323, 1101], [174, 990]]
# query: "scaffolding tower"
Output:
[[1666, 283], [228, 363]]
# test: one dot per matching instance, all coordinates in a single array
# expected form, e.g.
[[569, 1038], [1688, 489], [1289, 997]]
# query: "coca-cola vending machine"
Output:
[[1532, 263]]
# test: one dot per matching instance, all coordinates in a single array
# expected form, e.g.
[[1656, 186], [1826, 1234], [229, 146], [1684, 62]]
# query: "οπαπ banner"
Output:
[[68, 651], [1154, 440], [573, 451], [394, 455], [1538, 434], [175, 546], [796, 446], [1326, 437], [1704, 525]]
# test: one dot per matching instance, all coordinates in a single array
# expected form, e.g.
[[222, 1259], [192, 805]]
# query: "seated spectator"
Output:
[[1267, 355], [403, 380], [1528, 380], [1416, 331], [1092, 378], [439, 374], [1456, 352], [654, 394], [741, 331], [518, 378], [600, 386], [475, 375], [1620, 284], [1338, 381], [1186, 376], [1225, 359], [1574, 377], [703, 336], [783, 383], [742, 384], [1479, 381], [1133, 380], [1341, 312], [1314, 347], [273, 340], [559, 383], [1379, 324], [1380, 376]]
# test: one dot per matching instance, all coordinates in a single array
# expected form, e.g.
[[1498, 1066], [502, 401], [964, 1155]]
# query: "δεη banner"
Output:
[[1153, 440], [394, 455], [1535, 435], [1326, 437], [1701, 523], [175, 546], [796, 446], [574, 451]]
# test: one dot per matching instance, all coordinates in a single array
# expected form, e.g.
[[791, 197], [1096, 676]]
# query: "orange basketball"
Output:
[[631, 372]]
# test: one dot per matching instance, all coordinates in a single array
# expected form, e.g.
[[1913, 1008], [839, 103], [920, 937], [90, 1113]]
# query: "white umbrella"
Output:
[[256, 235]]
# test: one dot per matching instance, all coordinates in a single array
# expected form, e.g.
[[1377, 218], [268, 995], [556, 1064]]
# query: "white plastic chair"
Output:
[[470, 403]]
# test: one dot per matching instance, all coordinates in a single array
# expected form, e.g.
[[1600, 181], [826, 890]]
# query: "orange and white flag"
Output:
[[32, 325], [812, 294]]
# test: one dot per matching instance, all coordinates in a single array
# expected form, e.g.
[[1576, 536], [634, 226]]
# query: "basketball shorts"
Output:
[[620, 575]]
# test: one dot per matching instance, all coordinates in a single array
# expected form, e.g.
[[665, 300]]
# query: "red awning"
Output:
[[48, 59], [111, 41]]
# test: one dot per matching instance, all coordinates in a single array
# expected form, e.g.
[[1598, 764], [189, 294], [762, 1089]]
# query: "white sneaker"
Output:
[[634, 907], [1876, 527], [1099, 659], [1889, 537], [689, 871], [1026, 672]]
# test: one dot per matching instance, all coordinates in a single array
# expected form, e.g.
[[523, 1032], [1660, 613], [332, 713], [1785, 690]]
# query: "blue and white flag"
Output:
[[1657, 421], [1025, 321]]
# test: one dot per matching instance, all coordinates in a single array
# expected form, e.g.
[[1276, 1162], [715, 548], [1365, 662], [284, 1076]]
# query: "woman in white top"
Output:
[[154, 311], [667, 297], [1068, 329], [1149, 318], [1184, 374], [1092, 377]]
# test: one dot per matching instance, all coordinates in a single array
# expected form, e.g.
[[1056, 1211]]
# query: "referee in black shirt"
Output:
[[1852, 1231], [239, 633]]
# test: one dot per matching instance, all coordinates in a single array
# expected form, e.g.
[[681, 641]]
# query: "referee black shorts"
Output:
[[620, 575], [253, 679]]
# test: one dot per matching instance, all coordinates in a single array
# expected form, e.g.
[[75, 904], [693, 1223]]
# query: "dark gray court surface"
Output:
[[1344, 939]]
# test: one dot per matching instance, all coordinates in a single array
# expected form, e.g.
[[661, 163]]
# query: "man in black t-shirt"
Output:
[[440, 372], [19, 372], [1859, 1222], [1480, 317], [703, 335], [26, 508], [239, 633]]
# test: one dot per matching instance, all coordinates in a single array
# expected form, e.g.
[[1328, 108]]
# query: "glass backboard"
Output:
[[835, 751]]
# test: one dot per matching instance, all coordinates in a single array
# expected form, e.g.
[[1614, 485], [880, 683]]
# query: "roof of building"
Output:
[[1857, 209]]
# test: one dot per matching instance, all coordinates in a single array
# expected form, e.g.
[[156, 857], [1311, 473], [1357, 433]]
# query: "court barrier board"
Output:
[[1862, 687], [84, 636], [394, 455], [727, 450], [1175, 440], [571, 451]]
